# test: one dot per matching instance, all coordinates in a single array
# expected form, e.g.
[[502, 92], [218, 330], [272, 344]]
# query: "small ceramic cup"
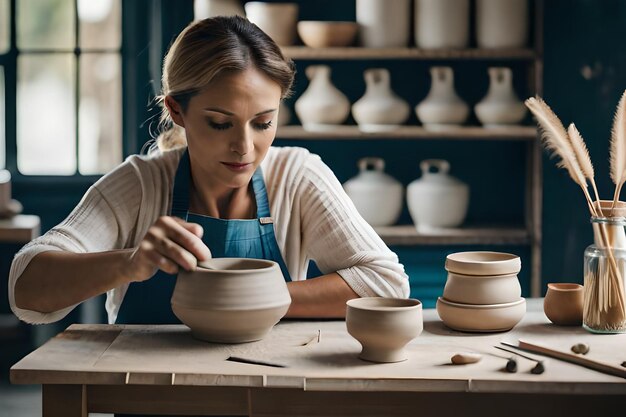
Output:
[[384, 326], [563, 304]]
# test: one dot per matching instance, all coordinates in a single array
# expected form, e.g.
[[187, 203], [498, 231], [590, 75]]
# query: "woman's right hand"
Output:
[[170, 243]]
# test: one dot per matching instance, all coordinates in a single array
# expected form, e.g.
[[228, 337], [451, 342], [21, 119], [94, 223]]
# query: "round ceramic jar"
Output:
[[482, 289], [377, 196], [437, 200]]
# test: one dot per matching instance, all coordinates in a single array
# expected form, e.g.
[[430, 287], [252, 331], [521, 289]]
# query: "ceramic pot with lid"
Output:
[[437, 200], [377, 196]]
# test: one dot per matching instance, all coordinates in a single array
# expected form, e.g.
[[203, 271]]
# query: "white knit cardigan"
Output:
[[313, 219]]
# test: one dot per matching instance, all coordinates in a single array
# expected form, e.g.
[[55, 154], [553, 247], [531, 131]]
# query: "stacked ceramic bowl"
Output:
[[482, 292]]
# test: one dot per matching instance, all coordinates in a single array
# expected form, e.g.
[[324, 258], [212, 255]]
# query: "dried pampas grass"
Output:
[[604, 305], [618, 149]]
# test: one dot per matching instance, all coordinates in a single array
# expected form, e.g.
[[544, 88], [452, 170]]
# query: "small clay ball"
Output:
[[580, 348], [465, 358]]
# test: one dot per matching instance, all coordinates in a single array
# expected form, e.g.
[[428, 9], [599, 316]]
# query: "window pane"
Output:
[[3, 130], [45, 24], [100, 114], [5, 15], [100, 23], [46, 134]]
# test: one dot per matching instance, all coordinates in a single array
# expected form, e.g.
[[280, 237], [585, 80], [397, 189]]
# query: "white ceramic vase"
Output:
[[377, 196], [442, 108], [278, 20], [501, 106], [441, 23], [203, 9], [383, 23], [380, 109], [501, 23], [322, 106], [437, 200]]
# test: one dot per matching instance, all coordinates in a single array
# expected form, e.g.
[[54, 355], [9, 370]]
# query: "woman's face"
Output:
[[230, 126]]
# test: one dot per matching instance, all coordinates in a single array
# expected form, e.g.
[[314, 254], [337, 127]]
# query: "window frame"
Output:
[[148, 28]]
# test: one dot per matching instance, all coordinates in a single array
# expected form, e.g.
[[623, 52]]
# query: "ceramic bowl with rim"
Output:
[[482, 289], [481, 318], [384, 326], [483, 263], [231, 300], [563, 304], [322, 34]]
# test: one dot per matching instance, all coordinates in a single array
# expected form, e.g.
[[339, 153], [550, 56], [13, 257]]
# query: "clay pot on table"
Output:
[[231, 300], [384, 326], [563, 304]]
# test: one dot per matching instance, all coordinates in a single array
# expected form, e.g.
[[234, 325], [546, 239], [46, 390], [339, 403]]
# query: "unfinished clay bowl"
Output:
[[563, 304], [231, 300], [483, 263], [482, 289], [481, 318], [384, 326], [321, 34]]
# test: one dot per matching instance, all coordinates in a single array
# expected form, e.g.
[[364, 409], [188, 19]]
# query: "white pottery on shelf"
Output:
[[441, 23], [278, 20], [8, 206], [501, 106], [437, 200], [377, 196], [203, 9], [231, 300], [380, 109], [322, 106], [384, 326], [383, 23], [442, 108], [501, 23]]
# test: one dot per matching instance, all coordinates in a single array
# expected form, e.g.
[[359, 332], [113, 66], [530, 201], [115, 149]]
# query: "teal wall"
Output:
[[573, 39]]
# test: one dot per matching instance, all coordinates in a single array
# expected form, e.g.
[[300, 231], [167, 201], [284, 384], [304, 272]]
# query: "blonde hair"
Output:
[[207, 48]]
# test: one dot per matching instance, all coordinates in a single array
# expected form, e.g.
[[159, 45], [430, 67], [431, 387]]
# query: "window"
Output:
[[66, 61]]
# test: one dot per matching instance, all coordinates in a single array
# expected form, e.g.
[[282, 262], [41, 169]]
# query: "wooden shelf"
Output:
[[410, 133], [406, 235], [304, 52]]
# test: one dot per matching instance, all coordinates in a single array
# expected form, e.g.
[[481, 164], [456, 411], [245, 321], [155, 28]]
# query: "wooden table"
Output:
[[163, 370]]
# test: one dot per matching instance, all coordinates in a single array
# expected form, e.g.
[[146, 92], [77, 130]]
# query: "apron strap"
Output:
[[260, 193]]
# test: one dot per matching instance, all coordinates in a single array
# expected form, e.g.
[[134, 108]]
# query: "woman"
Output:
[[225, 191]]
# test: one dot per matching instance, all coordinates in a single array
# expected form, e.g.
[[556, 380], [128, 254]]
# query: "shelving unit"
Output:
[[519, 133], [303, 52], [408, 235], [527, 234]]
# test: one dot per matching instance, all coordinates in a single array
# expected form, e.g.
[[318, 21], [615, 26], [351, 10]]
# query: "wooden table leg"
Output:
[[64, 401]]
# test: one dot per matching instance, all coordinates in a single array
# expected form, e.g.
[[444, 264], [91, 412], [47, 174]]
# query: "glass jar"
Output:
[[604, 308]]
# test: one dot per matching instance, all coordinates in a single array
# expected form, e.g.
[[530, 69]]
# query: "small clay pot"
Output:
[[563, 304], [384, 326]]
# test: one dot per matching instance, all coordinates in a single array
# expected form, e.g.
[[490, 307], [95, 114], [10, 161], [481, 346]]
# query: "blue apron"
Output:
[[148, 302]]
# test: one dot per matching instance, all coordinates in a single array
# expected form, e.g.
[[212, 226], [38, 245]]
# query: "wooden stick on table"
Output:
[[573, 358]]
